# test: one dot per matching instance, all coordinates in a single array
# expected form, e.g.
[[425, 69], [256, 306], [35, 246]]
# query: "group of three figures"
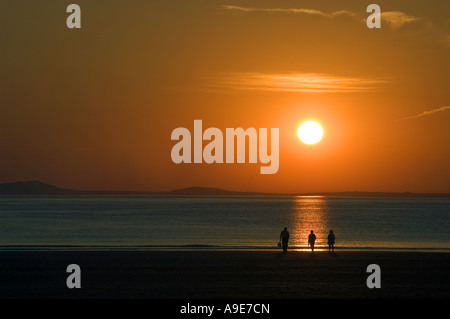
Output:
[[284, 239]]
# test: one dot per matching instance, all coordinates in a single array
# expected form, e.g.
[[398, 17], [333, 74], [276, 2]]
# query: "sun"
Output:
[[310, 132]]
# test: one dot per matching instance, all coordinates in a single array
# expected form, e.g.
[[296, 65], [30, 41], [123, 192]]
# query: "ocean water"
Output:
[[223, 222]]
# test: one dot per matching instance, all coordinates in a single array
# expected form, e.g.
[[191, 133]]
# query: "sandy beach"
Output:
[[224, 274]]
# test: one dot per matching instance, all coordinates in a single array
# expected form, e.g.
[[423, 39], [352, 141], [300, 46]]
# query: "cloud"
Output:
[[425, 113], [289, 10], [396, 19], [294, 82], [393, 19]]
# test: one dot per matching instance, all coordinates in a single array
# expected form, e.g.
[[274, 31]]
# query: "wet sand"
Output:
[[224, 274]]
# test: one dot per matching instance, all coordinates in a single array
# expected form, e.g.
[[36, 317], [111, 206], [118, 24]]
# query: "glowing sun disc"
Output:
[[310, 132]]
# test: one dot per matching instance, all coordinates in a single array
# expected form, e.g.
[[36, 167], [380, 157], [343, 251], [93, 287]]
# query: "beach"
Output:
[[202, 274]]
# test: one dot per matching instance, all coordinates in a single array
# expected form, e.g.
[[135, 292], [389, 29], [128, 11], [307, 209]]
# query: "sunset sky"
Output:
[[94, 108]]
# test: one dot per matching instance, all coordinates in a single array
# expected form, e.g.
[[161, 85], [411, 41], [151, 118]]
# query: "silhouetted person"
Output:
[[312, 240], [284, 238], [331, 240]]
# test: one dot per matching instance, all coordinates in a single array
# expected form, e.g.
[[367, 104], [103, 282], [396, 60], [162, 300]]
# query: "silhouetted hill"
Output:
[[33, 188], [40, 188]]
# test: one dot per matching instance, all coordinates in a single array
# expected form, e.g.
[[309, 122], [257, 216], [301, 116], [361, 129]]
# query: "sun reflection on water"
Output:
[[309, 213]]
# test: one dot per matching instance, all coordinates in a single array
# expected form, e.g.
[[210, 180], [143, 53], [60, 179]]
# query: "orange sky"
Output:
[[94, 108]]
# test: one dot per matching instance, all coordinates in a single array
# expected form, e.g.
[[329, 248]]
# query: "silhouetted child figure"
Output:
[[312, 240], [331, 240]]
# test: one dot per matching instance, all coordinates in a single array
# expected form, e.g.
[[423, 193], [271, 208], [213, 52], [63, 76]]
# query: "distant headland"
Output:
[[41, 188]]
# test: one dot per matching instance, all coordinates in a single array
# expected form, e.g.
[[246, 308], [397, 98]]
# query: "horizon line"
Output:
[[190, 191]]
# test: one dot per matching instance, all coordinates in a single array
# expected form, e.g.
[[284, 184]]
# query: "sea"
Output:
[[146, 222]]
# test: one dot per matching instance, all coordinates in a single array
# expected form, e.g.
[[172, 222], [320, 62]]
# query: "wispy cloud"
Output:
[[393, 19], [397, 19], [425, 113], [289, 10], [294, 82]]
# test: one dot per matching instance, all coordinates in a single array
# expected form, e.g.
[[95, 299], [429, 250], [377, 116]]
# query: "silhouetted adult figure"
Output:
[[331, 240], [284, 238], [312, 240]]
